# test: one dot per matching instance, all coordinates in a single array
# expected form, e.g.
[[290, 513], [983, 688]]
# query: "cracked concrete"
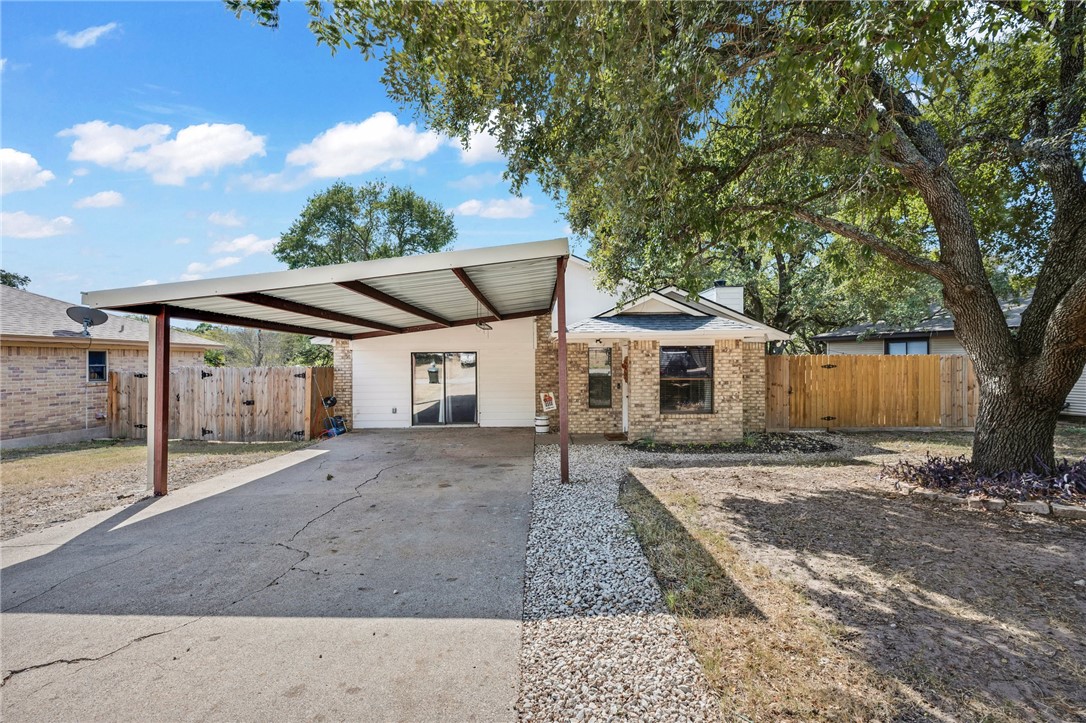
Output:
[[391, 591]]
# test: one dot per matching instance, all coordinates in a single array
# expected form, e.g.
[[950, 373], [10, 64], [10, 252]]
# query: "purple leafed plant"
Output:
[[1064, 480]]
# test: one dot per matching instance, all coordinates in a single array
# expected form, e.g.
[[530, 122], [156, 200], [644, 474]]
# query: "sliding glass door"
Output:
[[443, 388]]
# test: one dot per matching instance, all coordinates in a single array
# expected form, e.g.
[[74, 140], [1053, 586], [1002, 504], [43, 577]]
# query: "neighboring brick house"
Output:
[[54, 380]]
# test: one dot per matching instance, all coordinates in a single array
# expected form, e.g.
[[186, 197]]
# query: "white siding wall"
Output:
[[1077, 397], [945, 345], [871, 346], [505, 373], [583, 299]]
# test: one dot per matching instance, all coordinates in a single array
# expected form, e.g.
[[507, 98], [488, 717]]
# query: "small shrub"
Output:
[[1065, 480]]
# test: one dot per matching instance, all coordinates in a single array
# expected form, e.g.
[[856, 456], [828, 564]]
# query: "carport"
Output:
[[369, 299]]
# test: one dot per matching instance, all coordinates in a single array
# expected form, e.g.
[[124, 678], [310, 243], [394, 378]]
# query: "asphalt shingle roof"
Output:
[[941, 321], [23, 313], [627, 323]]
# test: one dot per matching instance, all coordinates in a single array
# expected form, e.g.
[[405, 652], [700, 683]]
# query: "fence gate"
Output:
[[870, 392], [227, 404]]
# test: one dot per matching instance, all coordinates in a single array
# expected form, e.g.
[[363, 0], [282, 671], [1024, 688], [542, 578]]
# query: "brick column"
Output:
[[546, 366], [754, 391], [343, 388]]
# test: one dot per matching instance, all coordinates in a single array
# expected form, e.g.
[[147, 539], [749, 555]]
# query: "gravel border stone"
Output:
[[598, 643]]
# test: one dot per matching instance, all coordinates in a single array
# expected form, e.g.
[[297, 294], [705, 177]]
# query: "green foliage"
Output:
[[14, 280], [215, 357], [255, 348], [373, 221], [683, 136]]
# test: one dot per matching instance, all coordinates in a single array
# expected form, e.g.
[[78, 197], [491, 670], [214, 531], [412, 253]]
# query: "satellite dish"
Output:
[[87, 317]]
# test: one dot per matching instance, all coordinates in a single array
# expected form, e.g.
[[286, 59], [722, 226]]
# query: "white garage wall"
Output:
[[505, 368]]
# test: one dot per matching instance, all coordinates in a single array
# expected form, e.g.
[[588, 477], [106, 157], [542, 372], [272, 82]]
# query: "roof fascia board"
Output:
[[678, 336], [359, 271], [97, 342]]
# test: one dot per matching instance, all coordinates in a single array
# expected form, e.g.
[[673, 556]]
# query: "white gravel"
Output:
[[598, 643]]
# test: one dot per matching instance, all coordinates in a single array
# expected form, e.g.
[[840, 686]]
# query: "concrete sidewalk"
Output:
[[377, 576]]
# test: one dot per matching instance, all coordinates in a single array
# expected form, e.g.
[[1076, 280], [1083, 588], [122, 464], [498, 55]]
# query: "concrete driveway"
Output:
[[377, 576]]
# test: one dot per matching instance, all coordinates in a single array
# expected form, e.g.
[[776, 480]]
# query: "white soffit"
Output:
[[347, 300]]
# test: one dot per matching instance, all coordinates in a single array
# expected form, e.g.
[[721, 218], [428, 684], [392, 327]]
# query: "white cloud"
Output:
[[148, 282], [19, 224], [198, 267], [245, 245], [182, 240], [20, 172], [87, 37], [275, 181], [191, 277], [195, 150], [482, 148], [352, 148], [3, 64], [102, 199], [476, 181], [497, 208], [80, 171], [230, 218]]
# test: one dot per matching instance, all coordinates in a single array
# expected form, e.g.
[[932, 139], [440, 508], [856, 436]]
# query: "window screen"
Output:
[[686, 379], [599, 378], [96, 366], [907, 346]]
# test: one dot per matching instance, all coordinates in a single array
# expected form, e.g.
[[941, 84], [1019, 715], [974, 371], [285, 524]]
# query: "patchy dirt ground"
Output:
[[928, 611], [45, 486]]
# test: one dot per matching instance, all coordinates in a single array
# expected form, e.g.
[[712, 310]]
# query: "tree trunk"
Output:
[[1017, 418]]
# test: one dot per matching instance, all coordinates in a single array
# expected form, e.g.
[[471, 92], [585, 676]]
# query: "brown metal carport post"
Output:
[[158, 400], [563, 375]]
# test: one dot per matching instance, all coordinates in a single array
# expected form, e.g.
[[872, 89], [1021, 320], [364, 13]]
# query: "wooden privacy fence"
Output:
[[228, 404], [870, 392]]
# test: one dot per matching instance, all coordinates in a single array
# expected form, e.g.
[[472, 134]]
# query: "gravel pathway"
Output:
[[598, 643]]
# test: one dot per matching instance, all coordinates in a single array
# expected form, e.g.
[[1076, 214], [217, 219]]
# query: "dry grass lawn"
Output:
[[815, 593], [43, 486]]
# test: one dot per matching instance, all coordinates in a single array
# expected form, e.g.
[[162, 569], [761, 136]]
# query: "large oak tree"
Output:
[[945, 139]]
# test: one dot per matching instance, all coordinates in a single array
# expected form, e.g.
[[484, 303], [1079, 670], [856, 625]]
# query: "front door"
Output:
[[443, 388]]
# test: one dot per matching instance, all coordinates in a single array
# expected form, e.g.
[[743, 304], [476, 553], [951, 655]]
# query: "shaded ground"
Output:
[[755, 443], [374, 576], [43, 486], [869, 604]]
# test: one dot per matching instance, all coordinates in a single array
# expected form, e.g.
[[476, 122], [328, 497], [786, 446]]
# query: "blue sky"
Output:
[[154, 142]]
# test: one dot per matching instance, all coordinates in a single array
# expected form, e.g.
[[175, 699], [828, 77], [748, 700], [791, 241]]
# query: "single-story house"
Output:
[[473, 337], [933, 335], [53, 379]]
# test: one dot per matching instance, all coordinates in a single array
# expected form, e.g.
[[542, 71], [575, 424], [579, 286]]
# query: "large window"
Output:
[[599, 378], [96, 366], [686, 379], [897, 347]]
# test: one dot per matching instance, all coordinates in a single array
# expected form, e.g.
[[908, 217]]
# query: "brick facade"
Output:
[[44, 389], [754, 391], [738, 391], [343, 387], [546, 365]]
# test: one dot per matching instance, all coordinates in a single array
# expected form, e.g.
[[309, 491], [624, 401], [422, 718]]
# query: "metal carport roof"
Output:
[[364, 299]]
